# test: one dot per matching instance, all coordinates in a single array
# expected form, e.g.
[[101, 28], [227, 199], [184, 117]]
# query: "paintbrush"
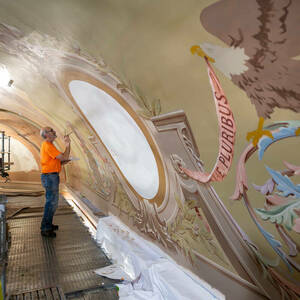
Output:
[[67, 134]]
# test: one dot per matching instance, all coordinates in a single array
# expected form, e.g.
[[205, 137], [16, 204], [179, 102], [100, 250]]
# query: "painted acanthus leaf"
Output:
[[241, 177], [156, 107], [267, 188], [278, 134], [283, 214], [295, 169], [296, 227], [284, 184], [265, 261], [276, 200]]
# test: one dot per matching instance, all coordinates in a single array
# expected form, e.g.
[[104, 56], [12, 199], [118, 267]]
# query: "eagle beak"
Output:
[[198, 50]]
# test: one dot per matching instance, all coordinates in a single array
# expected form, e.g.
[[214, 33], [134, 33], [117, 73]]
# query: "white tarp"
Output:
[[147, 271]]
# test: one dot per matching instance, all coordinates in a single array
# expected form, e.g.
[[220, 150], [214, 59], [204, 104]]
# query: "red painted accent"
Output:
[[201, 218]]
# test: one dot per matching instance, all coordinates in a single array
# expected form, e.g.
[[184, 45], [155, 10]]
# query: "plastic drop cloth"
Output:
[[147, 271]]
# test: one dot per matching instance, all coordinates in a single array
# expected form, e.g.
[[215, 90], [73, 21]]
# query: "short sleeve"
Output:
[[52, 151]]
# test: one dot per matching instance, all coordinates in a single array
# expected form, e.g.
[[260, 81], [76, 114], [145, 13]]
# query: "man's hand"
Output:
[[65, 156], [65, 161]]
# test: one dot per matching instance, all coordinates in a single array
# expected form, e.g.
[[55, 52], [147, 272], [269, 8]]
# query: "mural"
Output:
[[180, 221], [187, 218], [192, 233], [148, 107], [263, 41], [100, 180], [122, 202], [281, 207]]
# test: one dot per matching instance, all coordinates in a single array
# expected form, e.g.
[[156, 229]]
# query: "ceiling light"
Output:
[[5, 77]]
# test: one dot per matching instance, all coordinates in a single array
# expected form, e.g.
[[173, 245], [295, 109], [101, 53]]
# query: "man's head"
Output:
[[48, 134]]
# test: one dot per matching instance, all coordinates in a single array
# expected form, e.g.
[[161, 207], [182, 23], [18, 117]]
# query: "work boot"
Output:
[[48, 233], [54, 227]]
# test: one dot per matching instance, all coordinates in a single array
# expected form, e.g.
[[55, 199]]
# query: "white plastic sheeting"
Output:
[[147, 271]]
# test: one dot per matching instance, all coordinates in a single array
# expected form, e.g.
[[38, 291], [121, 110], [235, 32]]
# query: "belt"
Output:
[[50, 173]]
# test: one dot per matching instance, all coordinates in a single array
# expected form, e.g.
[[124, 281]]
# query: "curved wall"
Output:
[[23, 160]]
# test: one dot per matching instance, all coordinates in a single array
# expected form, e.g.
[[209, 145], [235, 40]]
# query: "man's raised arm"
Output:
[[64, 157]]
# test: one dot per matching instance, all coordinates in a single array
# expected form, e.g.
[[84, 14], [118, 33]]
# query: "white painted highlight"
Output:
[[21, 157], [230, 61], [121, 135]]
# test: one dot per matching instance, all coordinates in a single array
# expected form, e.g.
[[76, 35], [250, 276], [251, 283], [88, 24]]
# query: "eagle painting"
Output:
[[263, 38]]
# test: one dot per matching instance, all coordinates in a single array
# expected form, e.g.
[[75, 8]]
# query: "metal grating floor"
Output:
[[67, 261], [104, 294], [50, 293]]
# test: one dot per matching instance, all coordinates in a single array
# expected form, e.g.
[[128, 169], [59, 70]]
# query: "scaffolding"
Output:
[[5, 162], [3, 246]]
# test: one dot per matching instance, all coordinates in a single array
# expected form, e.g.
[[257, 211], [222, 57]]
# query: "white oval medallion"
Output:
[[121, 136]]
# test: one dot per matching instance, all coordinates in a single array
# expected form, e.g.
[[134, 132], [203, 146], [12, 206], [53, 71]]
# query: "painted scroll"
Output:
[[227, 130]]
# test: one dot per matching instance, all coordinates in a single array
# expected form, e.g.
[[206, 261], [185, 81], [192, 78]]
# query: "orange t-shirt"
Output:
[[49, 161]]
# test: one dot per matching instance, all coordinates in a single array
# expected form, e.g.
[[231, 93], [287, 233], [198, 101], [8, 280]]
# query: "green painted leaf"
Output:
[[178, 202], [145, 103], [156, 108], [144, 114], [283, 214]]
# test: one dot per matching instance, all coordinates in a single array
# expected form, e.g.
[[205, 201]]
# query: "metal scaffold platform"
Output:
[[62, 267]]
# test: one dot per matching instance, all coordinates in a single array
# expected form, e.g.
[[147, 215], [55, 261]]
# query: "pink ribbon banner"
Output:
[[227, 130]]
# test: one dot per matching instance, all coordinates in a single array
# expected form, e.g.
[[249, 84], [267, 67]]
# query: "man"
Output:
[[51, 161]]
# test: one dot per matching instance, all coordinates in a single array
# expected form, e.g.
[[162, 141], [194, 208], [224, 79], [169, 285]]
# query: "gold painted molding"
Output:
[[67, 75]]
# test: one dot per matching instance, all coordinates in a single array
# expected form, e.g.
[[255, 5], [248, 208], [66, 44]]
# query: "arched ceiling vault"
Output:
[[21, 130]]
